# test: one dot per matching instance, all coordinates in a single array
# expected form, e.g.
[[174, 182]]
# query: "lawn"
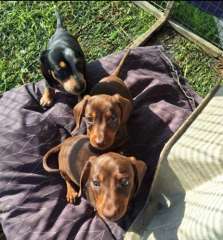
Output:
[[196, 20], [102, 28], [196, 66], [25, 28]]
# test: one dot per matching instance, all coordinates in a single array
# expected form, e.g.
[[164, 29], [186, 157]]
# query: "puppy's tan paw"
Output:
[[71, 196], [46, 101]]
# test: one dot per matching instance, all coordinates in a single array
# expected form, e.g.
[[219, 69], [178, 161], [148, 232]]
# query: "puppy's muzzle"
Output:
[[113, 213], [99, 142], [73, 86]]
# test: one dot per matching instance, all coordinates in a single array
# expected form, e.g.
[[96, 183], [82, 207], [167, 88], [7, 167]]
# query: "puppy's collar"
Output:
[[115, 147], [96, 151]]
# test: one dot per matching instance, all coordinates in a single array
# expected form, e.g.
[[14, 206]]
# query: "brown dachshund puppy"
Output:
[[106, 111], [110, 180]]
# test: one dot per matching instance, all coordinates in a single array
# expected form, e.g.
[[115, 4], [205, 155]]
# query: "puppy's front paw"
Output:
[[72, 195], [46, 101], [47, 98]]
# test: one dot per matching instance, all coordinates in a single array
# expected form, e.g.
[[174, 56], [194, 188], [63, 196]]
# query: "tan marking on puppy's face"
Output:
[[62, 64], [69, 85], [103, 121]]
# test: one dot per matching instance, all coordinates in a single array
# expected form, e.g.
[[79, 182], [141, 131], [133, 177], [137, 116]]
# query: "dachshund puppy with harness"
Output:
[[109, 181], [106, 111], [62, 65]]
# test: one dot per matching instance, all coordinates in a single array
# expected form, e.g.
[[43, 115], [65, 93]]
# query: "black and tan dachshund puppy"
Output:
[[62, 65]]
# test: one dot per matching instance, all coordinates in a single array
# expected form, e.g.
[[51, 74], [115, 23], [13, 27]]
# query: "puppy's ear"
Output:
[[43, 56], [125, 107], [85, 175], [79, 109], [139, 169]]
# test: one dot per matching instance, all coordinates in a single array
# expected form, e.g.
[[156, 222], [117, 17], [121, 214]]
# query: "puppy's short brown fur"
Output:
[[106, 111], [110, 180]]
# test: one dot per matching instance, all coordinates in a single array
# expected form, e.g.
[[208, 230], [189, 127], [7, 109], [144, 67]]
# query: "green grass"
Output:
[[103, 27], [196, 66], [196, 20], [25, 28]]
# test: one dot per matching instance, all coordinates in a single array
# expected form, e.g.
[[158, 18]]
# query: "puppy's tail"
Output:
[[46, 158], [117, 70], [59, 20]]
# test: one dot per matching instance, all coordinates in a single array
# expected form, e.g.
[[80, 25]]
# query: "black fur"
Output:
[[63, 47]]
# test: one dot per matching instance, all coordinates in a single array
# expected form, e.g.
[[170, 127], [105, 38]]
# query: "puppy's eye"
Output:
[[113, 117], [124, 182], [58, 69], [59, 73], [96, 183], [90, 120], [113, 120]]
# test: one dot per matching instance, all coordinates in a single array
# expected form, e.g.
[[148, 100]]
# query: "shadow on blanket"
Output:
[[164, 210]]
